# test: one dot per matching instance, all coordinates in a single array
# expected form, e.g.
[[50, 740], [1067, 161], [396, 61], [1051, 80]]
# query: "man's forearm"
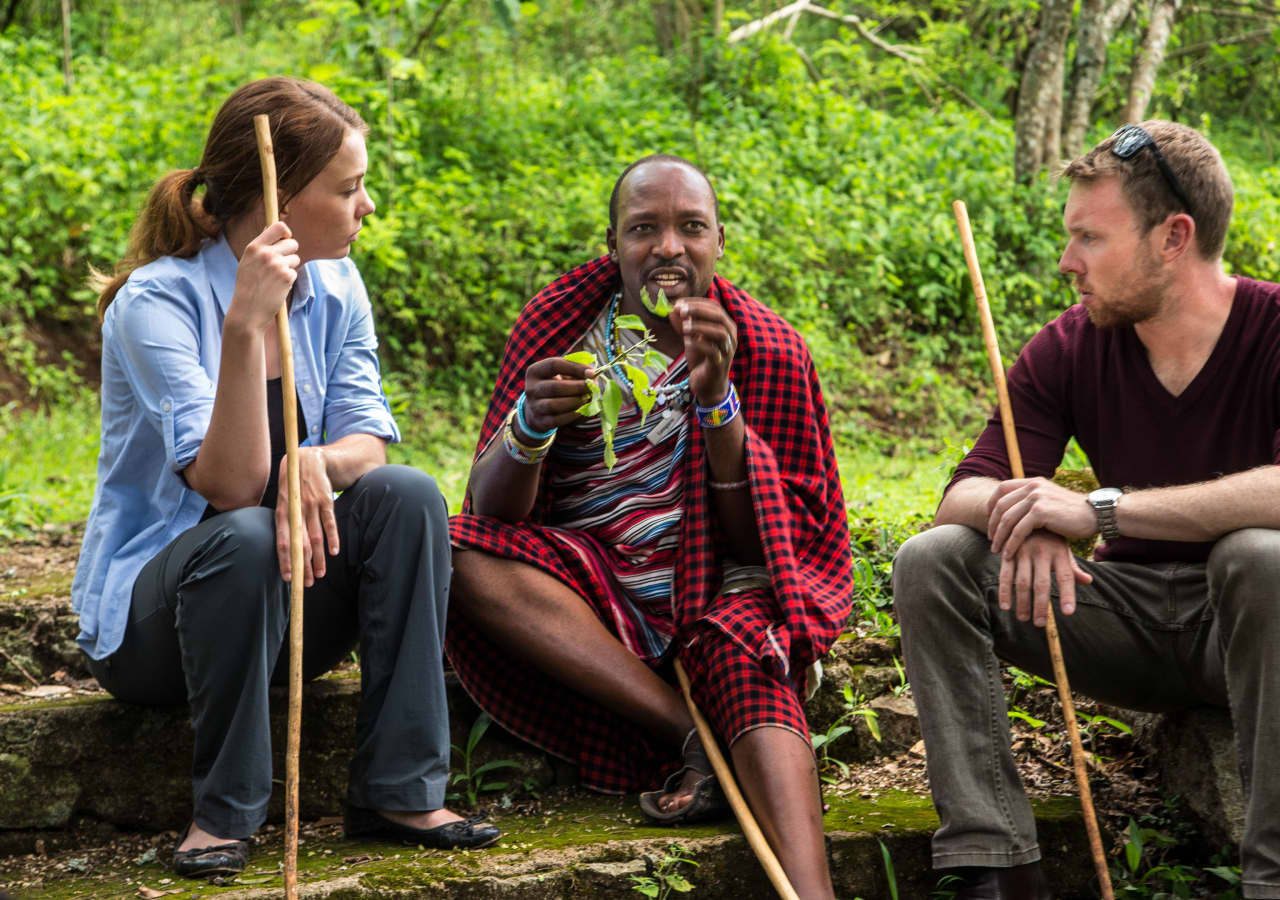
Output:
[[502, 487], [727, 464], [349, 458], [1204, 511], [966, 503]]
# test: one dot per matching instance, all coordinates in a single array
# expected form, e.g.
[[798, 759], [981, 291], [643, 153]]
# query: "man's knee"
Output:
[[1244, 568], [934, 557]]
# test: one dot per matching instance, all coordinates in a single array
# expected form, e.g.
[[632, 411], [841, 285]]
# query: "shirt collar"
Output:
[[222, 264]]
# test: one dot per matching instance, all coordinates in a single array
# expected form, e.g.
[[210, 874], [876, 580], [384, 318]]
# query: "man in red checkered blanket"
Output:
[[717, 537]]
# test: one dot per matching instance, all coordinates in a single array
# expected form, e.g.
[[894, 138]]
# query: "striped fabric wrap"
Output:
[[625, 522], [642, 547]]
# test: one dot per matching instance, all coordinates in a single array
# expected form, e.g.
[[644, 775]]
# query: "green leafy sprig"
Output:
[[659, 306], [605, 393]]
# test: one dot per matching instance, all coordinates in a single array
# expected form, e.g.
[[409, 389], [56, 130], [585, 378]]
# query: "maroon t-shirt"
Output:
[[1073, 378]]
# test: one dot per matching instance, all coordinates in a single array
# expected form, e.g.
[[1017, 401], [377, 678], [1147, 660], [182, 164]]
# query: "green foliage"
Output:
[[605, 393], [665, 877], [46, 465], [1154, 862], [856, 707], [473, 779]]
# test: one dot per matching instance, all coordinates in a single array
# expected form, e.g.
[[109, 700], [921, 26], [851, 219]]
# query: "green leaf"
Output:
[[584, 357], [659, 306], [495, 765], [888, 871], [477, 732], [592, 406], [645, 396], [628, 323], [610, 406], [655, 359]]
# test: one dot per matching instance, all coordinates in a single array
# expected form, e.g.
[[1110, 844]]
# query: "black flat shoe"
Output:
[[1025, 882], [467, 834], [218, 861]]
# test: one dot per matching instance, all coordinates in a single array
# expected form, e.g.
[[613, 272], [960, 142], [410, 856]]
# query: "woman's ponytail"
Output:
[[170, 224], [308, 126]]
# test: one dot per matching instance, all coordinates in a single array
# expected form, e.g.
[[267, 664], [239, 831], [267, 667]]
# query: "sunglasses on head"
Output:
[[1129, 140]]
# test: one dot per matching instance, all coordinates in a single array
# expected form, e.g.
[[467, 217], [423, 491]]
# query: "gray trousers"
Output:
[[1152, 637], [208, 621]]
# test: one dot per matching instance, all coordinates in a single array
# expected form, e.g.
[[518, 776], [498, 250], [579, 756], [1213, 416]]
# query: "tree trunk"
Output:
[[1150, 55], [1038, 120], [1099, 20], [66, 45], [676, 21]]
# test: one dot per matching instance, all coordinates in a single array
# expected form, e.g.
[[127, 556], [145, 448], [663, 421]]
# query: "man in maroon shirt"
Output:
[[1167, 373]]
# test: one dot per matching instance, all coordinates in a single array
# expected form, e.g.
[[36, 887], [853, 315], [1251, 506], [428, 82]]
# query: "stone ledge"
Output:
[[1195, 754], [587, 846], [93, 762]]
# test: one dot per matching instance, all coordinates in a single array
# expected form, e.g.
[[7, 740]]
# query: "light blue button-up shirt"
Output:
[[161, 348]]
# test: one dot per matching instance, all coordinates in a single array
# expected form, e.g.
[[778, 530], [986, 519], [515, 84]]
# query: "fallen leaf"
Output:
[[47, 690]]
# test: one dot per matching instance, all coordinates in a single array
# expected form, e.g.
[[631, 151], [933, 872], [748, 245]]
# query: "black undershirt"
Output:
[[275, 428]]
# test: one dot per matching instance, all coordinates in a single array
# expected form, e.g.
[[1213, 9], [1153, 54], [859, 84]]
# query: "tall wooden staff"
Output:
[[750, 828], [1051, 623], [266, 153]]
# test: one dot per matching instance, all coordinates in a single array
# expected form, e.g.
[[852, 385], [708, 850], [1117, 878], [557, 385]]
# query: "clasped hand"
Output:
[[1029, 523], [710, 341], [318, 519]]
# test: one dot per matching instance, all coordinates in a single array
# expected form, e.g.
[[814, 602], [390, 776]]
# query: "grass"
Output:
[[48, 462], [47, 465]]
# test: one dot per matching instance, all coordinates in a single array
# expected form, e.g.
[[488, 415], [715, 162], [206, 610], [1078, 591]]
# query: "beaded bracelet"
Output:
[[722, 413], [520, 451], [524, 424]]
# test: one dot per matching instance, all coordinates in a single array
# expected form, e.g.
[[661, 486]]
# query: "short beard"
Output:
[[1143, 301]]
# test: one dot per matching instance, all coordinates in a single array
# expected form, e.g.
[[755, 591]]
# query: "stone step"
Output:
[[128, 767], [73, 768], [568, 844]]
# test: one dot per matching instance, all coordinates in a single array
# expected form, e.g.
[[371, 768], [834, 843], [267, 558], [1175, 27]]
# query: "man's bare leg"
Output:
[[778, 775], [537, 617]]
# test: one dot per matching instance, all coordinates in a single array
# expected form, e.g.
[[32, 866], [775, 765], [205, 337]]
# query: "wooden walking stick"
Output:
[[750, 828], [266, 153], [1051, 623]]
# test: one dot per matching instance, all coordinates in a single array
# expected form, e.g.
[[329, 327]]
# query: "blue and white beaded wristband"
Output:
[[722, 413], [524, 424]]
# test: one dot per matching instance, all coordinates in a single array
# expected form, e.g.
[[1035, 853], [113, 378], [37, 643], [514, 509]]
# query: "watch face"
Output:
[[1105, 496]]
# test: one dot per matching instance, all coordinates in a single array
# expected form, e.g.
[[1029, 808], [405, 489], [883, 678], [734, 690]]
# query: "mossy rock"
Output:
[[129, 766], [575, 845]]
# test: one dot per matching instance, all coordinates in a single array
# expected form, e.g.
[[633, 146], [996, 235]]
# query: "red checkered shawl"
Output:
[[795, 485]]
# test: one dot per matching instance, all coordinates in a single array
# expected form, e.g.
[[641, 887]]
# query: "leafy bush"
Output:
[[493, 151]]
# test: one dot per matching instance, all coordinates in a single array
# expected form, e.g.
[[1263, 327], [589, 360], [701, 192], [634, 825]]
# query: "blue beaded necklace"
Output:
[[667, 391]]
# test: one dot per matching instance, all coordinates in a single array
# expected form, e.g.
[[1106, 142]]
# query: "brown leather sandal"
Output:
[[708, 802]]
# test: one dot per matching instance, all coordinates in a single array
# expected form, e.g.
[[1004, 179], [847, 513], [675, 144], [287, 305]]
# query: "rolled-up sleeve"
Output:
[[354, 401], [158, 336]]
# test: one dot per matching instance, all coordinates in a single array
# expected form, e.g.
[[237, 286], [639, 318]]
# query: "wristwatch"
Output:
[[1104, 502]]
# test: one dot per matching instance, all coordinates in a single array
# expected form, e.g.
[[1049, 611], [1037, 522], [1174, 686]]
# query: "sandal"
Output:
[[708, 802]]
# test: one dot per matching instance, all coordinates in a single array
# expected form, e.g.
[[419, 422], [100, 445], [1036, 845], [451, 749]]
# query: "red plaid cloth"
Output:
[[795, 486]]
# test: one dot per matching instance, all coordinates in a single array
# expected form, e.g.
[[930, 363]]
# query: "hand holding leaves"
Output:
[[553, 391], [605, 394]]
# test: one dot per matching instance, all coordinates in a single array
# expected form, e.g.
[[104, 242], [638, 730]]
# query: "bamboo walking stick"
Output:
[[266, 153], [750, 828], [1051, 623]]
